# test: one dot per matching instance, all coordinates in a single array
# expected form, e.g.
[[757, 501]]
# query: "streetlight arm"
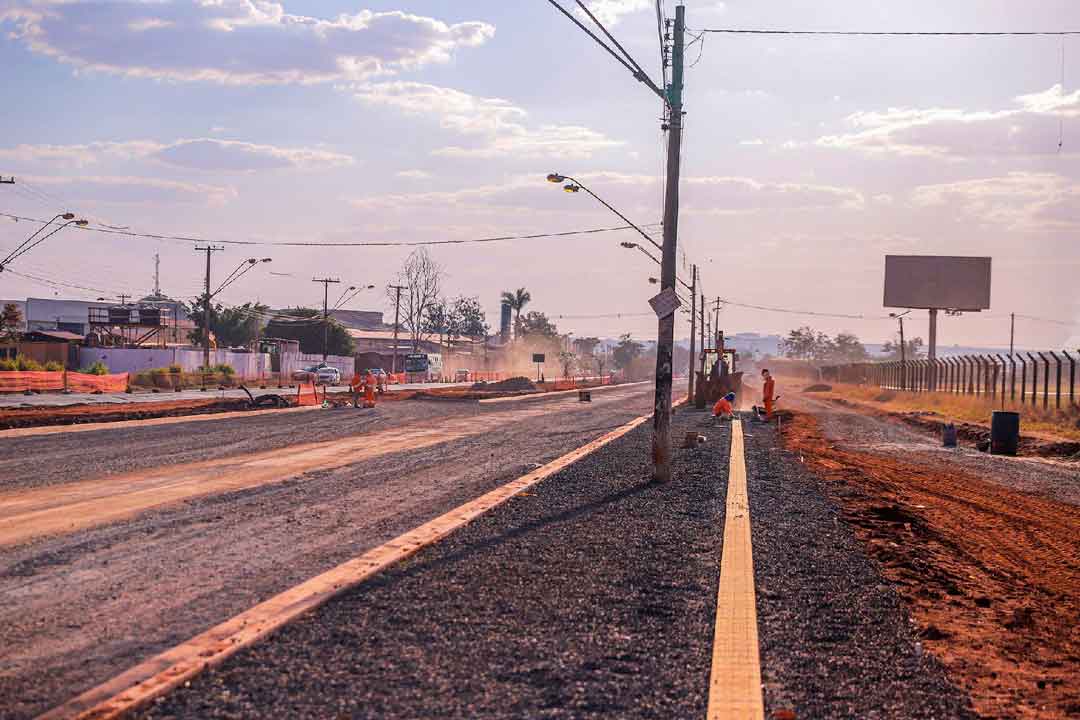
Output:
[[609, 207], [13, 253], [16, 255]]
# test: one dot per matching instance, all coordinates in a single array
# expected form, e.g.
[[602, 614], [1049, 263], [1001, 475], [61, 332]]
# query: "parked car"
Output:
[[321, 374]]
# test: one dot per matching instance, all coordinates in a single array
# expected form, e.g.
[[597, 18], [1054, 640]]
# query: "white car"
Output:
[[321, 374]]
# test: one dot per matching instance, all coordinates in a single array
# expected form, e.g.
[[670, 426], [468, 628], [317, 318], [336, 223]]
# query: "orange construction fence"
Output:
[[40, 381]]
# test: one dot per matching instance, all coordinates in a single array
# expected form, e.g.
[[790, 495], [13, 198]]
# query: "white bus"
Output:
[[423, 367]]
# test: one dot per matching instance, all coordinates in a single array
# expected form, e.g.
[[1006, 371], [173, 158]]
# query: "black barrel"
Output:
[[1004, 432]]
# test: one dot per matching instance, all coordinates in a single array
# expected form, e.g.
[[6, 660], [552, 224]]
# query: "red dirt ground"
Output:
[[992, 575]]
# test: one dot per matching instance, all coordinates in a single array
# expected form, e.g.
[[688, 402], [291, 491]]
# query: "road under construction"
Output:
[[456, 558]]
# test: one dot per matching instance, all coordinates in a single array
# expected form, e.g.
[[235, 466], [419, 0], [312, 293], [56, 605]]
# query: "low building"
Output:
[[44, 346]]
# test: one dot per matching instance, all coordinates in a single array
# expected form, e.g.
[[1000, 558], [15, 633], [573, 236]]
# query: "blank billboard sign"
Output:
[[937, 281]]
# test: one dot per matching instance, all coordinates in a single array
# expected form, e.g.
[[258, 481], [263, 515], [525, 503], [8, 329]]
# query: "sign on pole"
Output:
[[666, 303]]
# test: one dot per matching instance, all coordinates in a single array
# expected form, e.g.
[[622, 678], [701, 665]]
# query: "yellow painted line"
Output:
[[557, 393], [735, 683], [87, 427], [155, 677]]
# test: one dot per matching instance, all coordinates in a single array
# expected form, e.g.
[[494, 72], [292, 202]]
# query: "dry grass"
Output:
[[1064, 423]]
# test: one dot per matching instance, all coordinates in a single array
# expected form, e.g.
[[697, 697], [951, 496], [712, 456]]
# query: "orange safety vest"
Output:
[[722, 407], [767, 392]]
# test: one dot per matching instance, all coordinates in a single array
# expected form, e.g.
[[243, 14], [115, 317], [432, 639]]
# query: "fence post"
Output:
[[1072, 377], [1004, 377], [1057, 393], [994, 377], [969, 372], [1023, 378], [1034, 379], [1012, 379], [1046, 381], [955, 362]]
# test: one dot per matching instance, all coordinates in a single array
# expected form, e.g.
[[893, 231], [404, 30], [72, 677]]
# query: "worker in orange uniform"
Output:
[[355, 386], [370, 386], [723, 408], [768, 393]]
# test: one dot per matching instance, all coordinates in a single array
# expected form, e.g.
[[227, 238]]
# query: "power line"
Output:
[[466, 241], [894, 33], [794, 312]]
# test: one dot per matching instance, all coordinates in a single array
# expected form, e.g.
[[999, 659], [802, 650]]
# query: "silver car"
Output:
[[321, 374]]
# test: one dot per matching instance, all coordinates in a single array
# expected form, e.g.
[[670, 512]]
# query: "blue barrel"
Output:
[[949, 436], [1004, 432]]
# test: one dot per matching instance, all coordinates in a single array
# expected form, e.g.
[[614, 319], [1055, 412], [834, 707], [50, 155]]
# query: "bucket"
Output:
[[948, 436], [1004, 432]]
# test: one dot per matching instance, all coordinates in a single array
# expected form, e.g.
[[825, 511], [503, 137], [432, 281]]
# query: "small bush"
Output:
[[54, 366], [158, 372], [98, 368], [8, 365], [26, 364], [175, 369], [226, 370]]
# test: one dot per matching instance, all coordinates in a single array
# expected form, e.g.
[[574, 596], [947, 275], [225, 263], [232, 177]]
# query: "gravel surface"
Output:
[[1056, 479], [593, 595], [78, 609], [836, 641]]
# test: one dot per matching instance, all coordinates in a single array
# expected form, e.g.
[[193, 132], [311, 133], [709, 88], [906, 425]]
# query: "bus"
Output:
[[423, 367]]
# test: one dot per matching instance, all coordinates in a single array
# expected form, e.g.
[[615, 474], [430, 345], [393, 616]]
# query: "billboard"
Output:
[[937, 281]]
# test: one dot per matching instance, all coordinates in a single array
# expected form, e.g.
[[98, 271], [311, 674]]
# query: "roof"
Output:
[[57, 335]]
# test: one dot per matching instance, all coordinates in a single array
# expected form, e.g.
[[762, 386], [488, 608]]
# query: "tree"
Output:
[[805, 344], [625, 352], [10, 321], [306, 325], [586, 346], [537, 324], [469, 318], [437, 320], [517, 300], [232, 327], [422, 277], [568, 361], [891, 349], [847, 348]]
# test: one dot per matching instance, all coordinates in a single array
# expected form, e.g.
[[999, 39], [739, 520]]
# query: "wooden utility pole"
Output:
[[693, 330], [716, 324], [397, 318], [209, 249], [325, 312]]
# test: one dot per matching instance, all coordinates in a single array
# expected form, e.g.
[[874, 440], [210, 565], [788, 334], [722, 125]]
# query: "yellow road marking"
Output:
[[735, 684], [157, 676]]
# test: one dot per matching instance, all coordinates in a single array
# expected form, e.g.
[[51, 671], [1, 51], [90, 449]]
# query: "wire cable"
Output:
[[894, 33], [792, 312], [641, 75], [466, 241]]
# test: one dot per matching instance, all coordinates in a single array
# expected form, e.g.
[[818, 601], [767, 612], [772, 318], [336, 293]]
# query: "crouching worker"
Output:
[[723, 409], [356, 386]]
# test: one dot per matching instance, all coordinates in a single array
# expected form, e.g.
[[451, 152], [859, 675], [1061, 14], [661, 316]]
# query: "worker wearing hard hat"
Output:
[[370, 386], [768, 393]]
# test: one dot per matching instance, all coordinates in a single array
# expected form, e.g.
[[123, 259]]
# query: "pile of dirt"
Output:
[[819, 387], [514, 384]]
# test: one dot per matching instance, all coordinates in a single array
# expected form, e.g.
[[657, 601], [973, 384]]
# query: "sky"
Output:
[[805, 160]]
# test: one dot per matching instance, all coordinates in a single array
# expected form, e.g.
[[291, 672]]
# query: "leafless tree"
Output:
[[422, 277]]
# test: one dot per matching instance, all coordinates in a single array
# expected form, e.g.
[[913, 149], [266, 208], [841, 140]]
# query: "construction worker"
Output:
[[723, 409], [355, 386], [370, 386], [768, 392]]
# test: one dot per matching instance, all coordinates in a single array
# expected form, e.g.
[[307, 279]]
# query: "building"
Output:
[[382, 341], [74, 316], [360, 319], [44, 346]]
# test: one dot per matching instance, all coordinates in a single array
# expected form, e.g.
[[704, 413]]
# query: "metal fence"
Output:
[[1027, 378]]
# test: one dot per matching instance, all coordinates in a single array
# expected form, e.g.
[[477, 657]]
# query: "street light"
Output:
[[26, 245], [238, 272], [632, 245], [574, 185]]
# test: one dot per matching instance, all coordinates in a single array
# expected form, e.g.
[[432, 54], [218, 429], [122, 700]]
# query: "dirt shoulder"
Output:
[[991, 574]]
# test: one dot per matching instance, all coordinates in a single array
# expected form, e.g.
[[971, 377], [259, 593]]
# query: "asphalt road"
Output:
[[77, 608]]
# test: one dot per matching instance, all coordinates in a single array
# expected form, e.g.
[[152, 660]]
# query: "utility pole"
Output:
[[703, 332], [157, 275], [206, 307], [931, 350], [903, 357], [325, 312], [693, 330], [397, 318], [716, 324], [1012, 332], [665, 340]]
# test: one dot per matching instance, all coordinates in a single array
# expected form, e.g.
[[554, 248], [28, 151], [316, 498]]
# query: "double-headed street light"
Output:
[[574, 185], [242, 269], [26, 245]]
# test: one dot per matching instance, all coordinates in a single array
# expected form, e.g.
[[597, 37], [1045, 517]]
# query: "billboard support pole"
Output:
[[931, 351]]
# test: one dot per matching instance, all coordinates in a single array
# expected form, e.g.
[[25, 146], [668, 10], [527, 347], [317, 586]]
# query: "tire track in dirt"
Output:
[[992, 574]]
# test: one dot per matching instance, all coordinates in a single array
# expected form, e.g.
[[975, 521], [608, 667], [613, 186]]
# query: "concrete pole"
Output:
[[693, 330]]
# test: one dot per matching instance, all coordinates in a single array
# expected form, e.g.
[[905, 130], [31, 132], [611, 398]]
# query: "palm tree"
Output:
[[517, 301]]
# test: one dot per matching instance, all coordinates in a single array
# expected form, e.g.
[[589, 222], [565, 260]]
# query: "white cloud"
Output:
[[199, 154], [250, 42], [1030, 129], [414, 174], [1018, 201], [126, 190], [496, 127]]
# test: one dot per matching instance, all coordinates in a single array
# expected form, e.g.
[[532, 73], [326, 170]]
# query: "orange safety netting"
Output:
[[307, 395], [395, 378], [21, 381]]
